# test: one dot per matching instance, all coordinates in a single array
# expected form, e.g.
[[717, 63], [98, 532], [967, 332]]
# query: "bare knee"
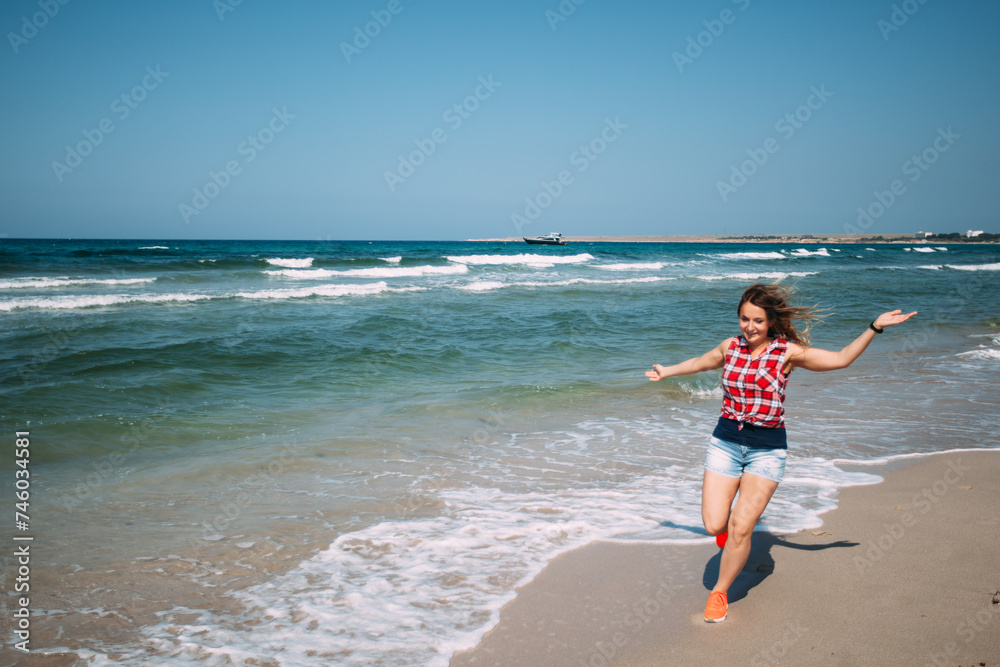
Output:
[[715, 525], [740, 531]]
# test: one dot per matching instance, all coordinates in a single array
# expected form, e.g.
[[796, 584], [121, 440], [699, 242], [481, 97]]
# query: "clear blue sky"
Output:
[[199, 82]]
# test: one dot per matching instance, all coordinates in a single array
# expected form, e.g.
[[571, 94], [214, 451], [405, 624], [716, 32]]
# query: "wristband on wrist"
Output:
[[874, 328]]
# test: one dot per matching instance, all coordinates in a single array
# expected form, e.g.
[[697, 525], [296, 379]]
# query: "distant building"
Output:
[[922, 235], [972, 234]]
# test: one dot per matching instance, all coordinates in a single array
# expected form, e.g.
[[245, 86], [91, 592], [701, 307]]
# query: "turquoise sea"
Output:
[[319, 452]]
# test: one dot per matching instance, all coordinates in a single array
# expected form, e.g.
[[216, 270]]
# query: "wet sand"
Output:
[[906, 572]]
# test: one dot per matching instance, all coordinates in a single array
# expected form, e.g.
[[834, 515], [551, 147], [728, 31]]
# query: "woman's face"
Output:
[[754, 323]]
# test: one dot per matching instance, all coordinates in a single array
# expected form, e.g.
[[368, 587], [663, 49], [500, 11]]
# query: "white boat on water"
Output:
[[553, 238]]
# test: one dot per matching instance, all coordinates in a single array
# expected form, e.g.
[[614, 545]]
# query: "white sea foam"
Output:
[[634, 266], [376, 272], [409, 592], [974, 267], [154, 247], [983, 354], [316, 290], [941, 248], [302, 274], [408, 271], [393, 260], [803, 252], [484, 285], [754, 276], [750, 255], [529, 259], [715, 392], [291, 263], [96, 300], [923, 250], [65, 281]]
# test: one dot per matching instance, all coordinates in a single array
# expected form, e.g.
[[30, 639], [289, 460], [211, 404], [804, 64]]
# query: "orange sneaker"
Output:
[[721, 538], [715, 610]]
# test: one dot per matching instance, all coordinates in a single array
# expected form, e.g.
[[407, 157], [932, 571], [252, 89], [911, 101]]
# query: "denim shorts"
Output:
[[730, 459]]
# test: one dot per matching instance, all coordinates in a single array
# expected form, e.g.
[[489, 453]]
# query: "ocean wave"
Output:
[[634, 266], [290, 263], [974, 267], [983, 354], [941, 248], [153, 247], [525, 258], [393, 260], [317, 290], [754, 276], [97, 300], [376, 272], [749, 255], [484, 285], [65, 281], [802, 252], [715, 392], [922, 249]]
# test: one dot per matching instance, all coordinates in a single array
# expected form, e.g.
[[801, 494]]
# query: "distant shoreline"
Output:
[[719, 238]]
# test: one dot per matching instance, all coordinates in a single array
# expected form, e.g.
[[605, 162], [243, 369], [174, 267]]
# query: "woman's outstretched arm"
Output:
[[712, 359], [815, 359]]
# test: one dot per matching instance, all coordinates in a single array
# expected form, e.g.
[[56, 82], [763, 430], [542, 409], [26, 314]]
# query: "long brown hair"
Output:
[[776, 300]]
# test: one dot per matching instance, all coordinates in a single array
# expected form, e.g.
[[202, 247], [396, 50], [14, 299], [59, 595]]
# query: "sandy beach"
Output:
[[905, 572]]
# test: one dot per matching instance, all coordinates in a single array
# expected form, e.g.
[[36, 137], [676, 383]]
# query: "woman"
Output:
[[747, 449]]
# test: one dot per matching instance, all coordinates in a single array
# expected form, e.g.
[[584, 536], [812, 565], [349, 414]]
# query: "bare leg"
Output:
[[717, 493], [755, 493]]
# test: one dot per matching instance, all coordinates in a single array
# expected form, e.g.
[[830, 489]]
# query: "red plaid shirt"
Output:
[[754, 389]]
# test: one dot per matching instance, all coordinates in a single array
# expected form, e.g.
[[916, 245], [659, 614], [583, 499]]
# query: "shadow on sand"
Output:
[[760, 564]]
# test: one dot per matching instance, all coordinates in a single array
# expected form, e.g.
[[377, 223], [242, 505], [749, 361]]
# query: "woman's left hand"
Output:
[[892, 317]]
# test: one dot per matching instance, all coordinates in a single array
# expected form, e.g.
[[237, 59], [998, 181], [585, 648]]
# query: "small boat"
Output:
[[553, 238]]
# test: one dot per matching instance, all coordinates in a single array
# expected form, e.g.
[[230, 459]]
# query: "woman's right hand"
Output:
[[658, 373]]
